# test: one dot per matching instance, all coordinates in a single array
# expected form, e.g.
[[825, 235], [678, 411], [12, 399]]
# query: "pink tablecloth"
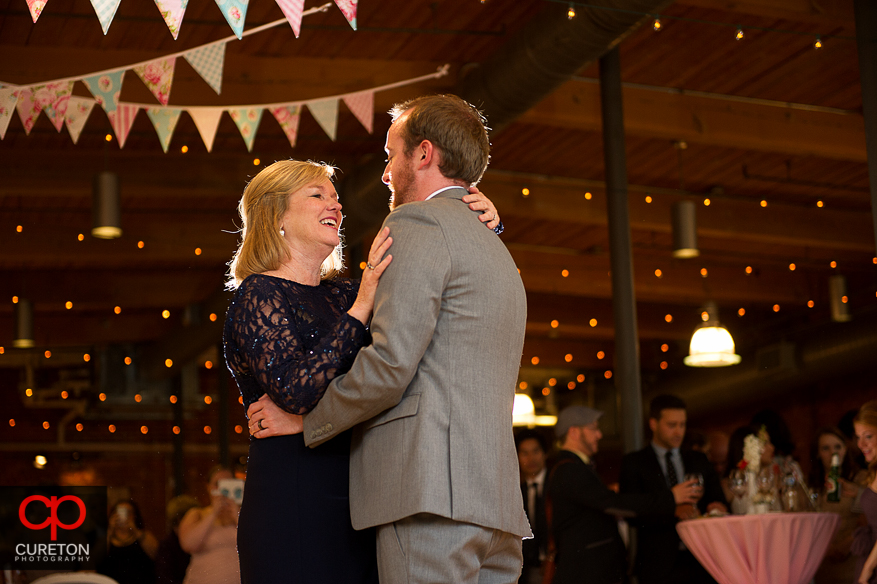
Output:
[[775, 548]]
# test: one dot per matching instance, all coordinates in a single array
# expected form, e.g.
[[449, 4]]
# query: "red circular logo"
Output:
[[52, 505]]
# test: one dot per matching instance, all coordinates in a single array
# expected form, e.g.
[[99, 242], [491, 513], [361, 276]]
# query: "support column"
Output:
[[866, 40], [627, 366]]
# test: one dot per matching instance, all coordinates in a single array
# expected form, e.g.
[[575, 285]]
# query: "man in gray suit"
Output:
[[433, 462]]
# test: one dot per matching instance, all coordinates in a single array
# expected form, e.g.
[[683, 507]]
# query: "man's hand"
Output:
[[267, 419], [717, 506], [686, 511], [686, 493]]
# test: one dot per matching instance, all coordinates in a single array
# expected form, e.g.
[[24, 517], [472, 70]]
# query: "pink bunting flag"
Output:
[[172, 11], [8, 99], [53, 99], [36, 8], [122, 119], [292, 10], [348, 8], [288, 117], [362, 105], [78, 110], [28, 109], [207, 121], [157, 76]]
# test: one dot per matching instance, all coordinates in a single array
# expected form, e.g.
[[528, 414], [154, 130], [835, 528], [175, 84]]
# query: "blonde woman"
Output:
[[865, 542]]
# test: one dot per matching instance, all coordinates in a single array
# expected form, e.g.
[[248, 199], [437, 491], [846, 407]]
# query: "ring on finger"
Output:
[[261, 427], [369, 266]]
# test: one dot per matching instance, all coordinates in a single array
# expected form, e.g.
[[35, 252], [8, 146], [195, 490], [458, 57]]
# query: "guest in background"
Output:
[[132, 549], [735, 456], [865, 538], [210, 535], [531, 459], [660, 556], [839, 565], [172, 560], [845, 425], [784, 445]]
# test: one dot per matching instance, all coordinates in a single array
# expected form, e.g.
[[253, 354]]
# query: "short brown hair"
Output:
[[455, 127], [262, 207]]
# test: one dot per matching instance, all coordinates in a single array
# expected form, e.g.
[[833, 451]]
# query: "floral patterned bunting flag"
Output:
[[208, 62], [288, 116], [207, 121], [106, 11], [8, 99], [247, 121], [53, 98], [36, 8], [28, 109], [157, 76], [292, 10], [172, 11], [326, 113], [164, 120], [362, 105], [122, 119], [78, 110], [235, 12], [348, 7], [106, 89]]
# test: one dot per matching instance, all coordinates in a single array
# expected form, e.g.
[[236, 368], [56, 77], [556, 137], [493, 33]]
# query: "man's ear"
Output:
[[427, 154], [653, 424]]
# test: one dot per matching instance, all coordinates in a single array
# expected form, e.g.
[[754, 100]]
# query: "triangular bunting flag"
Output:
[[288, 117], [106, 89], [348, 7], [362, 105], [206, 120], [208, 62], [164, 120], [78, 109], [247, 121], [28, 109], [235, 12], [105, 10], [172, 11], [53, 99], [36, 8], [326, 114], [122, 119], [157, 76], [292, 10], [8, 99]]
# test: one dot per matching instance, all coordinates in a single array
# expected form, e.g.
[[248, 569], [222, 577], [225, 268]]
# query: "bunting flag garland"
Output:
[[36, 8], [28, 109], [8, 99], [348, 7], [247, 121], [288, 116], [292, 10], [53, 99], [235, 12], [326, 113], [122, 119], [207, 121], [172, 11], [208, 61], [362, 105], [78, 109], [157, 76], [106, 88], [106, 11], [164, 120]]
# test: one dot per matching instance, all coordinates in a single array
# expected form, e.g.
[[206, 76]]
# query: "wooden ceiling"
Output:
[[765, 134]]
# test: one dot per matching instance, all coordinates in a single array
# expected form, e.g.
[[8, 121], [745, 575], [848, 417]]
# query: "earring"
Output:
[[282, 232]]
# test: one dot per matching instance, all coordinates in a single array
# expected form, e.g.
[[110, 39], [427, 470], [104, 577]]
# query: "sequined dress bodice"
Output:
[[290, 340]]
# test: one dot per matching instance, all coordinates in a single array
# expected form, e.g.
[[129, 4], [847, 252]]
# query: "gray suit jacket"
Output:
[[435, 388]]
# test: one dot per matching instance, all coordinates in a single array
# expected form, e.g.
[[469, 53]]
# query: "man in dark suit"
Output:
[[585, 512], [660, 556], [531, 458]]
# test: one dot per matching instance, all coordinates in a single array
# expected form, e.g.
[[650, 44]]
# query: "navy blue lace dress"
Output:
[[290, 340]]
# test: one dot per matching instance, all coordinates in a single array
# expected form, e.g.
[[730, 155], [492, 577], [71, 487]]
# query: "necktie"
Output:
[[531, 501], [671, 469]]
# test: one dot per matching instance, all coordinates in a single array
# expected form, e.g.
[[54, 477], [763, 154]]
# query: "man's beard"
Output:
[[401, 187]]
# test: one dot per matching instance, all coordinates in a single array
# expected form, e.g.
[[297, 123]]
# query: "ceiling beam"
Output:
[[835, 12]]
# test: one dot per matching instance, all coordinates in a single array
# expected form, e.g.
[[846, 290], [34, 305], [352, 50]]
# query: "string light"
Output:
[[102, 396], [238, 429], [568, 357], [48, 354], [659, 273], [703, 272], [208, 429], [208, 400], [763, 203], [608, 374], [525, 192], [256, 162], [86, 357], [168, 363], [552, 382], [819, 204], [600, 354], [593, 322], [117, 310], [580, 378], [818, 43], [741, 312], [140, 245], [792, 267], [79, 427], [64, 394], [108, 137], [555, 323], [208, 364], [176, 429], [588, 196], [68, 305], [739, 36], [28, 392], [184, 149], [144, 430], [664, 364], [810, 304], [165, 314], [12, 422], [213, 317], [657, 24], [534, 360], [19, 228], [15, 298], [648, 198], [80, 237], [571, 13], [138, 398], [706, 202], [173, 399], [748, 270], [665, 347], [564, 273], [523, 385], [776, 307], [127, 360], [112, 428], [571, 385], [833, 264], [197, 251], [668, 318], [546, 391]]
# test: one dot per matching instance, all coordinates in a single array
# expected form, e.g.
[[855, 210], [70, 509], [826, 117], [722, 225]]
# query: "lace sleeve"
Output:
[[275, 352]]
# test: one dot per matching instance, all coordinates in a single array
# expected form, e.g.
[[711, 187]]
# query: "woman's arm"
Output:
[[868, 568], [196, 524], [478, 201]]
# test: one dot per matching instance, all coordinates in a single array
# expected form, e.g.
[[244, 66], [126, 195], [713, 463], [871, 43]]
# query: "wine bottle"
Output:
[[833, 481]]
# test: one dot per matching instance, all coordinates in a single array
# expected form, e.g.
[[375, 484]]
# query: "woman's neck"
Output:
[[303, 268]]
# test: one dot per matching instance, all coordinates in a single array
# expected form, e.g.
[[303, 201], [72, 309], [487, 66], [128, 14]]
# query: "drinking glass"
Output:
[[698, 483], [737, 483]]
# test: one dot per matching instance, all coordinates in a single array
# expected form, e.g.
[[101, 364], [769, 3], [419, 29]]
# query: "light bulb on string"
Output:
[[571, 13], [818, 43], [740, 34], [657, 24]]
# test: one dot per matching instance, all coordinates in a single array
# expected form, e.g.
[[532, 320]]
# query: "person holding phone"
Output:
[[210, 534], [132, 549]]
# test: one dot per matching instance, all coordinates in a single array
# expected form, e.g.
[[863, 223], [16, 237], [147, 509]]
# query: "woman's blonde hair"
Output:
[[868, 416], [262, 206]]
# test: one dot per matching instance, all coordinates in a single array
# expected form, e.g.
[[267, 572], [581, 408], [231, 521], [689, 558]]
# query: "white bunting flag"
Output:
[[106, 11], [208, 62], [8, 99], [362, 105], [292, 10], [207, 121], [326, 113], [122, 119], [78, 110]]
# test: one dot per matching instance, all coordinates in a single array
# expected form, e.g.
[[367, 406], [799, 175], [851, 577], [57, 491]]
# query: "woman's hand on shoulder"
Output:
[[268, 419], [478, 201], [377, 262]]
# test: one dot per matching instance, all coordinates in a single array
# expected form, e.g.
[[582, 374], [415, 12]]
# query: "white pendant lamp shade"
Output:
[[711, 346], [524, 413]]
